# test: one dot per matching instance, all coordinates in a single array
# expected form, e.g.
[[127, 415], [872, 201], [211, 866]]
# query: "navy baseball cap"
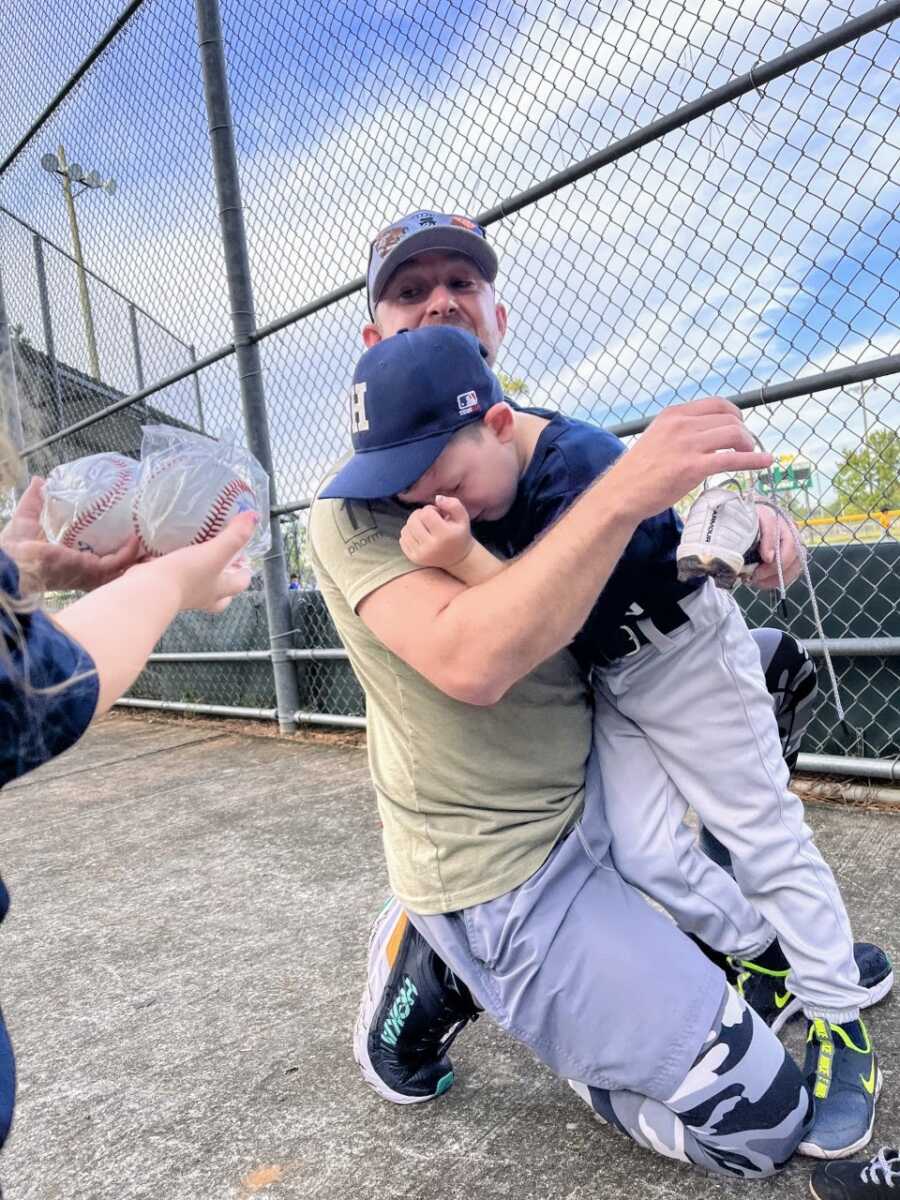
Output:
[[422, 231], [411, 394]]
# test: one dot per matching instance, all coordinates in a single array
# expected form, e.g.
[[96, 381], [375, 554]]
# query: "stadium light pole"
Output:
[[863, 388], [56, 164]]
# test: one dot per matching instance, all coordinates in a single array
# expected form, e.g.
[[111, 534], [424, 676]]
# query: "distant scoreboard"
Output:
[[789, 473]]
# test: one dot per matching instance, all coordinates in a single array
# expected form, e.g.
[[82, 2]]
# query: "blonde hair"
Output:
[[26, 601], [10, 475]]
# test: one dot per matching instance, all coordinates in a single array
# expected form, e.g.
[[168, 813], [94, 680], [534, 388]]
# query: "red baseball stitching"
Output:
[[100, 506], [215, 521], [137, 528]]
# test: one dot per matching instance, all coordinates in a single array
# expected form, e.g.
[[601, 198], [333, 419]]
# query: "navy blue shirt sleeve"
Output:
[[568, 457], [37, 656]]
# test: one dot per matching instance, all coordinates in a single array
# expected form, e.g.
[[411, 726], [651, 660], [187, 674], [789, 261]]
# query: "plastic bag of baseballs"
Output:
[[88, 503], [191, 486]]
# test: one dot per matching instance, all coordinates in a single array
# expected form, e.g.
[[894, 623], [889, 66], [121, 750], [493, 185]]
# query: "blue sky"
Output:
[[759, 244]]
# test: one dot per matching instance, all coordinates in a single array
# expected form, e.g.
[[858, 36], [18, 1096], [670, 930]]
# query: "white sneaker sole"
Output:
[[878, 991], [811, 1150]]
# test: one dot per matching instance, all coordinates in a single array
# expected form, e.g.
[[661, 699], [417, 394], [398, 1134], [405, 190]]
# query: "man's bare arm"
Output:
[[475, 643]]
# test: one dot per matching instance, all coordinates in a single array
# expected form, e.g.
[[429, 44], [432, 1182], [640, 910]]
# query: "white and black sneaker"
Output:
[[720, 539], [412, 1008], [872, 1180]]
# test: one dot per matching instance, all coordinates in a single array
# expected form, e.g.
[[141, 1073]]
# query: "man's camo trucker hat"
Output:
[[422, 231], [411, 393]]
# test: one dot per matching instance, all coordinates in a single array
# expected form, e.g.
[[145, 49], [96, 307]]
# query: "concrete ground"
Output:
[[180, 972]]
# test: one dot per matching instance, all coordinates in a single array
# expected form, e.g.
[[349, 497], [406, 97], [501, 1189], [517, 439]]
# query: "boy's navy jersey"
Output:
[[35, 655], [568, 457]]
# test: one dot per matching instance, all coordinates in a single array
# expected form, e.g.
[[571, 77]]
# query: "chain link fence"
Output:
[[687, 197]]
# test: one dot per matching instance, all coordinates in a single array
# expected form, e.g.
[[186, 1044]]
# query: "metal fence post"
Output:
[[136, 346], [9, 388], [40, 269], [201, 425], [243, 322]]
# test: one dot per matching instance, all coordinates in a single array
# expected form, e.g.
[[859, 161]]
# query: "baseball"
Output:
[[186, 498], [87, 503]]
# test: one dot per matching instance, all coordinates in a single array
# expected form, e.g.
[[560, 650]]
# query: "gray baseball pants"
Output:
[[688, 721], [611, 995]]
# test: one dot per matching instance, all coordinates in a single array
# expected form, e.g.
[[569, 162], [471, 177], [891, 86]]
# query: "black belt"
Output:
[[629, 638]]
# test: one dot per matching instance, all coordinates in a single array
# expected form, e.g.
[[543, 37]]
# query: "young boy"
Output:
[[669, 659]]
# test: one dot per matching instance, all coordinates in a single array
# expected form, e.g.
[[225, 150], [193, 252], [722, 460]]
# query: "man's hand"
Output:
[[47, 567], [679, 449], [438, 535], [776, 525]]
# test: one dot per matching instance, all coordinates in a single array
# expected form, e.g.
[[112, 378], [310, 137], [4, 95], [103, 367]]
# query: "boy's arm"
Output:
[[478, 566], [440, 535]]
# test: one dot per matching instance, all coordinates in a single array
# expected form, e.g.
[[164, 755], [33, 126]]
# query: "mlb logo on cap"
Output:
[[411, 393]]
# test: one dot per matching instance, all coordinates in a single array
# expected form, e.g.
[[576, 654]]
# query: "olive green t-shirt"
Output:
[[472, 798]]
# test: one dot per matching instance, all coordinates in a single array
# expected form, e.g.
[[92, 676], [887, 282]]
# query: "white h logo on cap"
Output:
[[359, 422]]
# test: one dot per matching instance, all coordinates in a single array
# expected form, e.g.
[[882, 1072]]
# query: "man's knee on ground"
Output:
[[744, 1101]]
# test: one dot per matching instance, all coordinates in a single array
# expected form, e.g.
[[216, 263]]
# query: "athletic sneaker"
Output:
[[762, 981], [412, 1008], [872, 1180], [720, 538], [842, 1074]]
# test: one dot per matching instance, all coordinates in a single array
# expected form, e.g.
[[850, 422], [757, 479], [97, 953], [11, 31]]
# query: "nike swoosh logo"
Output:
[[869, 1084], [781, 999]]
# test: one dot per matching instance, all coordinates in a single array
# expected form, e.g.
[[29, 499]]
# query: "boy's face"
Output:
[[477, 466]]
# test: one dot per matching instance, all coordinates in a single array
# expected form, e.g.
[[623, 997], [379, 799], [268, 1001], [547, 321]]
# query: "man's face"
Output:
[[436, 288]]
